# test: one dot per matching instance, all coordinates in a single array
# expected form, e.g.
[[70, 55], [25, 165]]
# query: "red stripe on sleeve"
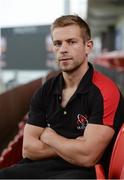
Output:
[[110, 94]]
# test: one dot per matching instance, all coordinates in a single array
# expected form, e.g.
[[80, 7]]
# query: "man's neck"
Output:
[[73, 79]]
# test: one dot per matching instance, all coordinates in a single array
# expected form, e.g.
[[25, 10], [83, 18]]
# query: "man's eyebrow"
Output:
[[69, 39], [56, 41], [74, 38]]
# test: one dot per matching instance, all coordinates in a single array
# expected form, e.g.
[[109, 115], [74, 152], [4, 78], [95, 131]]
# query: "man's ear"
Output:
[[89, 46]]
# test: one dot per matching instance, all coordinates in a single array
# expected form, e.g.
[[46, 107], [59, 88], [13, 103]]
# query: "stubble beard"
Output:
[[71, 70]]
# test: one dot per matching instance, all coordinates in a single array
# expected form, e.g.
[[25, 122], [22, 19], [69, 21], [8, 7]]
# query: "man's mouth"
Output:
[[65, 59]]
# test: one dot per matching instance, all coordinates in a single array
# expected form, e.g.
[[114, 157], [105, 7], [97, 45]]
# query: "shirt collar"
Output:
[[86, 80], [83, 86]]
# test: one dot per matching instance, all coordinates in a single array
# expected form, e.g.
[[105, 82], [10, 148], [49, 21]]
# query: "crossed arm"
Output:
[[33, 147], [85, 150]]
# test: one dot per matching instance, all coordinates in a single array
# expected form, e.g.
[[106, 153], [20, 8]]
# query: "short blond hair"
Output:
[[67, 20]]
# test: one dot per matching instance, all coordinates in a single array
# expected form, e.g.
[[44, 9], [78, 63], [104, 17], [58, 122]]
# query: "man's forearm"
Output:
[[68, 149], [64, 148], [85, 150], [38, 150]]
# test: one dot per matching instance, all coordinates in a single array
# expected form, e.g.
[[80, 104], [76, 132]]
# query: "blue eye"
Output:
[[57, 44]]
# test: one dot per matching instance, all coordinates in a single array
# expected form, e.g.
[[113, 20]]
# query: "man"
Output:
[[75, 117]]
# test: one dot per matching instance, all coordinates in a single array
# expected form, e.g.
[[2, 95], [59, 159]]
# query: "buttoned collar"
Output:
[[83, 86]]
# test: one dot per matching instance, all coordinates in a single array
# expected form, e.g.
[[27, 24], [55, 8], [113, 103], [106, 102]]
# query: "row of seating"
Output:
[[22, 96]]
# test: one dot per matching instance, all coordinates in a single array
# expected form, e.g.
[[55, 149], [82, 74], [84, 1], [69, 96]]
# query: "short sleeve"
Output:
[[105, 102]]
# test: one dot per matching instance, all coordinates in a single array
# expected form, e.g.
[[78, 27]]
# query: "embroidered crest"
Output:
[[81, 121]]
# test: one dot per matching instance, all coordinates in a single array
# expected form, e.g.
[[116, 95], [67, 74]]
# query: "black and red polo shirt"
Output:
[[97, 100]]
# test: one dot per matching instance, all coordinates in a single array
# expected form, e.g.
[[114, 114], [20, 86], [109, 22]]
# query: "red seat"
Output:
[[122, 173], [99, 172], [5, 157], [117, 159], [13, 152]]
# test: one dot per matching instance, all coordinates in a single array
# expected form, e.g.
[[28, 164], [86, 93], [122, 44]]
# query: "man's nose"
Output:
[[64, 47]]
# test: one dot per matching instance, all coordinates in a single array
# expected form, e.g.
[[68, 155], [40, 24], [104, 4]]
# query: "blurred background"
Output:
[[25, 42], [26, 56]]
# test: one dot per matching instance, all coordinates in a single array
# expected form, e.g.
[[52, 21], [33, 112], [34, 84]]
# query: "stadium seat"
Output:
[[122, 173], [117, 159], [99, 172], [13, 152]]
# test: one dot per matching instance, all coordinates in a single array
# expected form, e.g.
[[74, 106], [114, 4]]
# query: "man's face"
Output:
[[69, 47]]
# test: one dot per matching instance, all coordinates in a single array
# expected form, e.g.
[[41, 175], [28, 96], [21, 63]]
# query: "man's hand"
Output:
[[48, 135], [33, 146]]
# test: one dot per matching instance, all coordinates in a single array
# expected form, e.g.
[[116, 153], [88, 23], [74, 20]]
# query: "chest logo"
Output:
[[81, 121]]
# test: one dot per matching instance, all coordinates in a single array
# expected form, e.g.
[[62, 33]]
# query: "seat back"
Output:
[[117, 158]]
